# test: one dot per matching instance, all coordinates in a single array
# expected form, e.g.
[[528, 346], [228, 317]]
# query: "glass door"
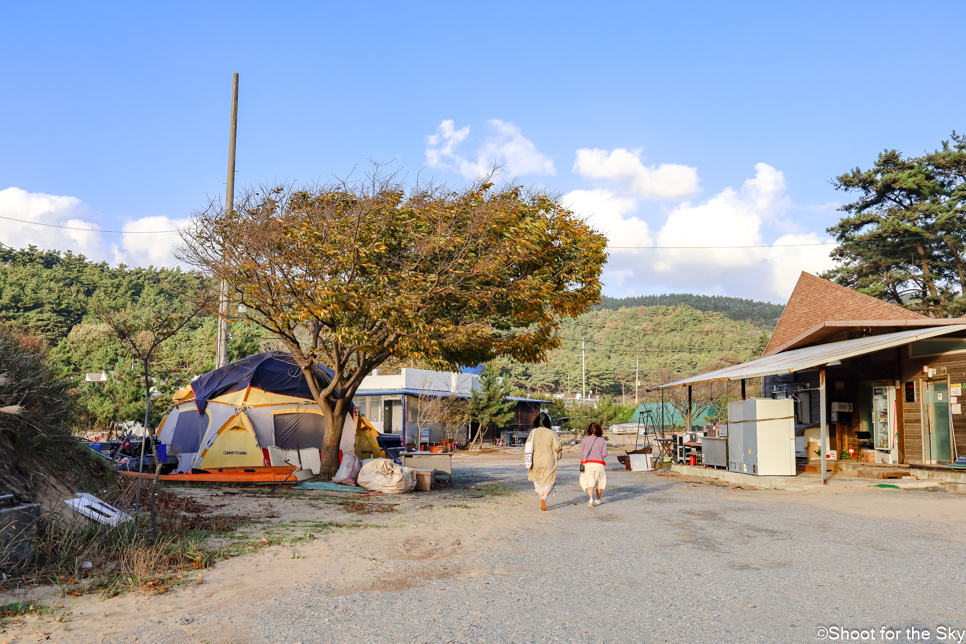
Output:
[[881, 432], [938, 447]]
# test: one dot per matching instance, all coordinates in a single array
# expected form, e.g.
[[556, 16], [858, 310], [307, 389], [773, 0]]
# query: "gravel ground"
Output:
[[661, 560]]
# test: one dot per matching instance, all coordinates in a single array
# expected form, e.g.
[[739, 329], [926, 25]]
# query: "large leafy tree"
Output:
[[903, 238], [347, 275]]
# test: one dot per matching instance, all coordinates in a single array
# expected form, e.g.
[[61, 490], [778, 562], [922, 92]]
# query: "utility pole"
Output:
[[583, 372], [637, 379], [221, 350]]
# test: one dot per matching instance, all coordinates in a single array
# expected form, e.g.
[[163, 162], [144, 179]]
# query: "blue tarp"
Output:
[[272, 371], [331, 487], [672, 417]]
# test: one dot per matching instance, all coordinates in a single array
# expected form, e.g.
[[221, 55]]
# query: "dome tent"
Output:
[[227, 417]]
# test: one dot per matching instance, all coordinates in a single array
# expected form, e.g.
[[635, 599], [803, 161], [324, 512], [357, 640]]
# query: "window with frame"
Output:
[[937, 346]]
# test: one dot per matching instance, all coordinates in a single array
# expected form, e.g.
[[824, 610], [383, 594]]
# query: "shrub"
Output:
[[36, 417]]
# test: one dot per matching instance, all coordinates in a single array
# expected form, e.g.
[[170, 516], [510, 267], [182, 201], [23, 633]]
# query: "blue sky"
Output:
[[669, 124]]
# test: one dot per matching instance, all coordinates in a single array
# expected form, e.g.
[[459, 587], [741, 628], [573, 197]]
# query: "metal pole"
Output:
[[743, 395], [662, 414], [583, 372], [821, 415], [637, 379], [221, 351]]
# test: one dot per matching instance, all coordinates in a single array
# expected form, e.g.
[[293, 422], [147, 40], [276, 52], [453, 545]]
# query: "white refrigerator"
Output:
[[761, 437], [884, 426]]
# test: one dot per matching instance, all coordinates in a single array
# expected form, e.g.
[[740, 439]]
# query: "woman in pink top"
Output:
[[593, 456]]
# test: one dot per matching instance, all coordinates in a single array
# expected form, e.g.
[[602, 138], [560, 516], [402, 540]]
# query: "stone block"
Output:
[[18, 528]]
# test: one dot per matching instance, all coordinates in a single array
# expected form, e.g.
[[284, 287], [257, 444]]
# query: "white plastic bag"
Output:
[[382, 475], [348, 471]]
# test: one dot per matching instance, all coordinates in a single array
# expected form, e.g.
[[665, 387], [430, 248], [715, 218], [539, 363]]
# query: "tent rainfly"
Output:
[[227, 417]]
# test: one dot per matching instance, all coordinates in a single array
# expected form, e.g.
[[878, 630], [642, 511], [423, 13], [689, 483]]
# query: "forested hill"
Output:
[[60, 297], [56, 295], [762, 314], [48, 293], [669, 341]]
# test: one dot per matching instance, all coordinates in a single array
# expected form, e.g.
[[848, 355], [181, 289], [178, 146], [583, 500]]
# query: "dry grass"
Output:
[[82, 556], [360, 507]]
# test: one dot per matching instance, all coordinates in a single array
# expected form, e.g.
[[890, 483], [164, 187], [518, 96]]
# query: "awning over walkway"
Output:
[[811, 357]]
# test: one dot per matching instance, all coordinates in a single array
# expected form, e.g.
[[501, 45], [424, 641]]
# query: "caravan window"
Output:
[[189, 430], [302, 429], [375, 408]]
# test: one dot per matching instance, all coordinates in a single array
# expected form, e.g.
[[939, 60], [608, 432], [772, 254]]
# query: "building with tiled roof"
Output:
[[820, 311]]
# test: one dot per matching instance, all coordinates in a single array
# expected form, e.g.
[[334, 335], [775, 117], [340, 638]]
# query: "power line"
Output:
[[93, 230], [828, 243], [178, 230]]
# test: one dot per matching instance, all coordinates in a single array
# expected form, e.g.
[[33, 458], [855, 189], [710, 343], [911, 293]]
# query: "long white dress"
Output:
[[546, 452]]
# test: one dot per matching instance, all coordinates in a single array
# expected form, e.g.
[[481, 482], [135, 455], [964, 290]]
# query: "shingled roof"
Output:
[[816, 303]]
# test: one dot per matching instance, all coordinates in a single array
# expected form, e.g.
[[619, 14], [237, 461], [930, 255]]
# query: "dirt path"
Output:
[[663, 559]]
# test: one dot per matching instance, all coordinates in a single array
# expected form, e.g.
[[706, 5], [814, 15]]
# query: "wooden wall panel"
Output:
[[912, 425], [955, 365]]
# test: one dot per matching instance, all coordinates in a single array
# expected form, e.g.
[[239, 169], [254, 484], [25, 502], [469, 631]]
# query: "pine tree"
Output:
[[489, 405], [903, 239]]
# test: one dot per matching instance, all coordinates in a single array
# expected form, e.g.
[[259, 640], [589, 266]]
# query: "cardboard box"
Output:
[[812, 449]]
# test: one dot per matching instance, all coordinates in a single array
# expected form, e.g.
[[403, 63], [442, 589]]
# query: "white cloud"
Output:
[[608, 212], [153, 249], [716, 234], [42, 208], [730, 218], [734, 218], [507, 147], [792, 254], [130, 248], [665, 181]]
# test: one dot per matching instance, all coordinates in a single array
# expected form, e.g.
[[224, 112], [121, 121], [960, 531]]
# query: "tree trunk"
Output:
[[148, 435], [928, 282], [479, 436], [334, 423]]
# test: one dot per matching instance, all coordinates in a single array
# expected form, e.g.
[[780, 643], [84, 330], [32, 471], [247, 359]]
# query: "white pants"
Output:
[[543, 490], [593, 476]]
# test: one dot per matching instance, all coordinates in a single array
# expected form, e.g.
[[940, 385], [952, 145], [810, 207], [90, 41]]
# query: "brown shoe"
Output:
[[543, 504]]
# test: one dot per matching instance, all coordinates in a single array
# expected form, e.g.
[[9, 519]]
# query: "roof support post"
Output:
[[404, 422], [743, 394], [690, 409], [823, 440]]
